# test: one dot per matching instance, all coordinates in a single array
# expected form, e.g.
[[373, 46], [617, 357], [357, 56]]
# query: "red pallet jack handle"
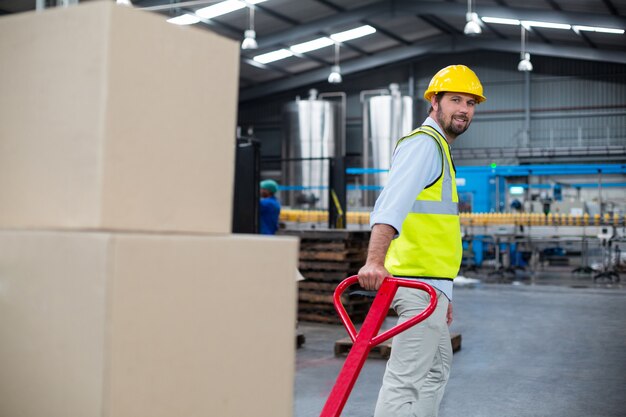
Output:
[[368, 336]]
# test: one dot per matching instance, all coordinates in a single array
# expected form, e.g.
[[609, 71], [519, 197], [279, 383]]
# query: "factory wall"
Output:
[[573, 104]]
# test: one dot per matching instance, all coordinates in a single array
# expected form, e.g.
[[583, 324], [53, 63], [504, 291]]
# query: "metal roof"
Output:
[[405, 30]]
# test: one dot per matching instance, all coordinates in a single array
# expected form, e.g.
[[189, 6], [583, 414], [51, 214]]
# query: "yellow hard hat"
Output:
[[457, 79]]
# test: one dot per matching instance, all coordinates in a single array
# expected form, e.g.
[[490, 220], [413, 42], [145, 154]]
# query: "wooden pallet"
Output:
[[382, 351], [327, 257], [324, 276], [311, 307], [335, 245], [355, 309], [327, 235], [328, 319], [311, 286]]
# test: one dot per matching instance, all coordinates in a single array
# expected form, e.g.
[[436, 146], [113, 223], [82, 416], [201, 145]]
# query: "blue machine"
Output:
[[482, 189], [486, 185]]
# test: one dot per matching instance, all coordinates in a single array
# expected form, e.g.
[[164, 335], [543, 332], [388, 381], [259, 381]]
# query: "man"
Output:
[[416, 234], [269, 208]]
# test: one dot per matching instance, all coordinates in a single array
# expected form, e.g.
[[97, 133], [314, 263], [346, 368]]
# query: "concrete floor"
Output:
[[527, 351]]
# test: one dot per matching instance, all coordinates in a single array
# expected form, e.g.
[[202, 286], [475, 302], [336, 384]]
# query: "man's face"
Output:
[[454, 112]]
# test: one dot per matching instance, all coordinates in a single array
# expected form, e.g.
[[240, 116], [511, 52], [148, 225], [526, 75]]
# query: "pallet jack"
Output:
[[368, 336]]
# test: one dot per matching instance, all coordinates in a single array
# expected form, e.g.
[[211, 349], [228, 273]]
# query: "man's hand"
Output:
[[371, 276], [449, 314]]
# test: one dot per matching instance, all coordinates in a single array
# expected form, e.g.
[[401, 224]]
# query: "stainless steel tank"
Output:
[[387, 117], [313, 130]]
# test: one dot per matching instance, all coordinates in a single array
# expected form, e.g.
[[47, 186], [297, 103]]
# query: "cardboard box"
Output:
[[132, 325], [113, 118]]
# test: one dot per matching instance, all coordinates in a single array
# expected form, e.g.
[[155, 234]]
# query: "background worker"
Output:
[[269, 208], [416, 234]]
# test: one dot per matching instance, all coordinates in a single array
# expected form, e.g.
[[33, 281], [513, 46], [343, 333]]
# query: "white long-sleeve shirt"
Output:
[[415, 164]]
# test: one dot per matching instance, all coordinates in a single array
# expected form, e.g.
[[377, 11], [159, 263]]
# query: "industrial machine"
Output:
[[314, 134], [387, 116]]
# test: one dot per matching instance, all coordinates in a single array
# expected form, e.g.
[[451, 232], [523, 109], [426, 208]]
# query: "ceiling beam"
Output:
[[554, 4], [422, 49], [312, 57], [556, 16], [321, 25], [158, 5], [276, 15], [268, 67], [559, 51], [293, 22], [246, 80], [587, 40], [330, 5], [224, 29], [537, 33], [611, 7], [385, 32], [492, 28], [426, 7], [440, 24], [361, 64]]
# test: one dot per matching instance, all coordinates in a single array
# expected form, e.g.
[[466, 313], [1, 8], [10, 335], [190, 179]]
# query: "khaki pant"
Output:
[[419, 366]]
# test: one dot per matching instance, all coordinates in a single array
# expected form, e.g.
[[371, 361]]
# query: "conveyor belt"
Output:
[[472, 219]]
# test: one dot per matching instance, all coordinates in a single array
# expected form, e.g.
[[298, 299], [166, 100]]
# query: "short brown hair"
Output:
[[438, 97]]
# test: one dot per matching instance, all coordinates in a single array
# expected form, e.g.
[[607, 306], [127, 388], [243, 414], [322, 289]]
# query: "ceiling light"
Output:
[[219, 9], [224, 7], [124, 2], [548, 25], [353, 33], [318, 43], [472, 27], [184, 19], [525, 65], [335, 75], [314, 44], [530, 23], [500, 20], [597, 29], [273, 56], [335, 71], [249, 41]]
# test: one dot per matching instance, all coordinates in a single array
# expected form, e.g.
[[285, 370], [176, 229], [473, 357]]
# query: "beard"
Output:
[[449, 127]]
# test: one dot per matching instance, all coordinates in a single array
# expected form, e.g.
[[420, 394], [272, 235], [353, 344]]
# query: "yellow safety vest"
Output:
[[430, 243]]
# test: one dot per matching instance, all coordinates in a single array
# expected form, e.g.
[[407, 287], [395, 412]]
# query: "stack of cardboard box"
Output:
[[122, 291]]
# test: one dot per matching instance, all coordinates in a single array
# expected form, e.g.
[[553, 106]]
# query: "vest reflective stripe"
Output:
[[435, 207], [430, 242], [446, 187]]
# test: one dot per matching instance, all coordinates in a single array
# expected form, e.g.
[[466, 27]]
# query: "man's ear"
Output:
[[434, 103]]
